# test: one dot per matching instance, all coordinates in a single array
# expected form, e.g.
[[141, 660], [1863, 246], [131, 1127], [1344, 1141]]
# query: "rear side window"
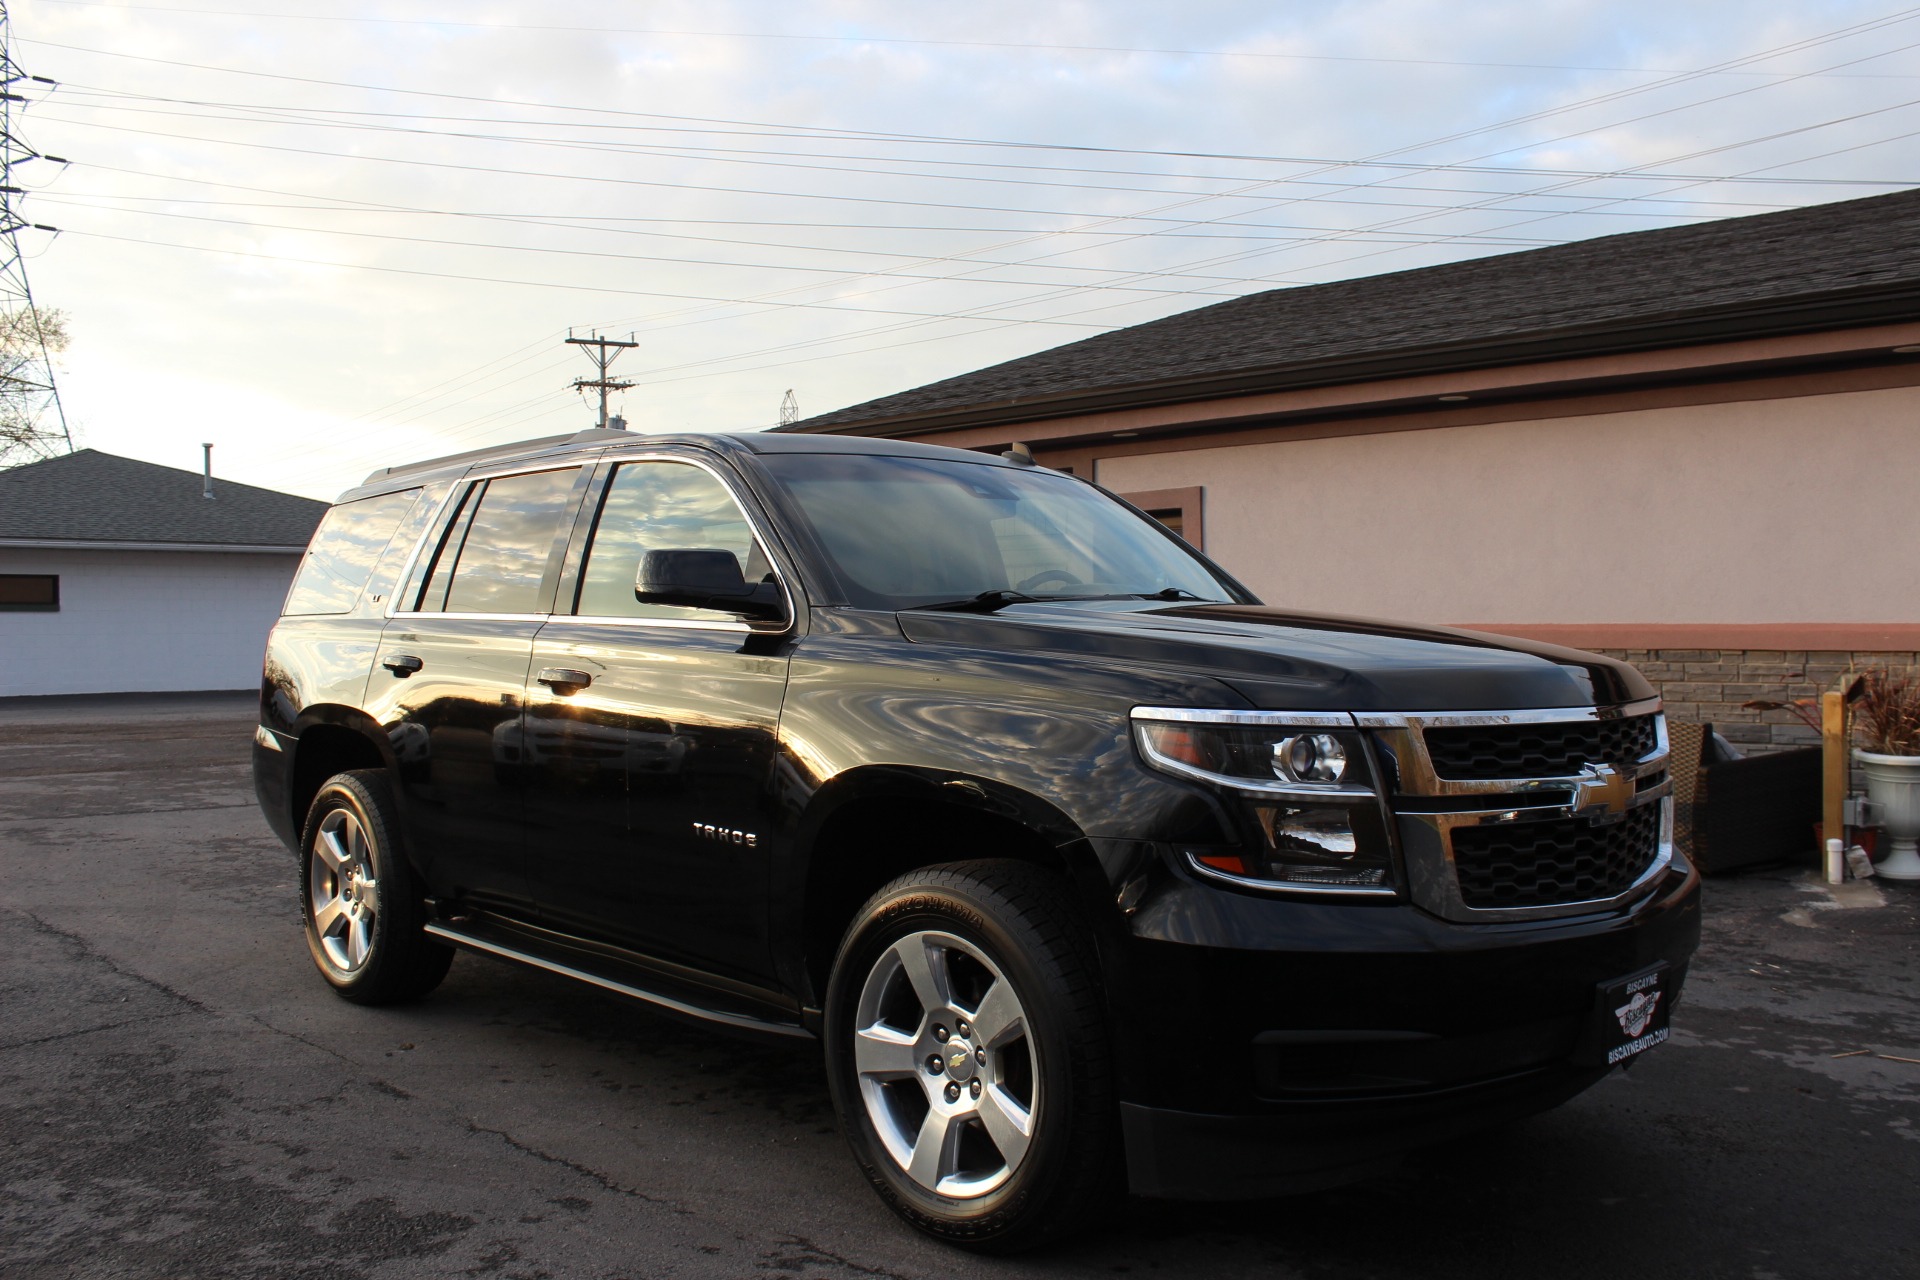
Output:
[[345, 548], [495, 553]]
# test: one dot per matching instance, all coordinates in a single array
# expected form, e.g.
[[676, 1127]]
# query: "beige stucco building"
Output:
[[1699, 447]]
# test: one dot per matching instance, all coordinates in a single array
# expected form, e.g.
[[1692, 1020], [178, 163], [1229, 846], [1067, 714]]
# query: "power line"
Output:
[[1807, 42], [269, 112], [968, 278], [831, 197], [878, 40], [531, 284], [1859, 28]]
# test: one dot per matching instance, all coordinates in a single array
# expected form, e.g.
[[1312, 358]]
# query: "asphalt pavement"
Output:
[[181, 1096]]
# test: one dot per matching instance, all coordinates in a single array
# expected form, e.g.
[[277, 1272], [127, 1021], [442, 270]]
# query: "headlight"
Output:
[[1309, 757], [1312, 817]]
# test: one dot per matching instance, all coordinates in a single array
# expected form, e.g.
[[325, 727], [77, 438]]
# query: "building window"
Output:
[[30, 592], [1178, 509]]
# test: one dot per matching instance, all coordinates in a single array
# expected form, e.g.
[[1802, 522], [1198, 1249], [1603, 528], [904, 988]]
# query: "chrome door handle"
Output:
[[564, 680], [402, 664]]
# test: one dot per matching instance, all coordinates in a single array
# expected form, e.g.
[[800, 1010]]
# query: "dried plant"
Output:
[[1886, 715], [1805, 710], [1884, 706]]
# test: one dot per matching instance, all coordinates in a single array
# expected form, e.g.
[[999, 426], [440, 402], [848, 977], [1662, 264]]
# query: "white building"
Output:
[[121, 576]]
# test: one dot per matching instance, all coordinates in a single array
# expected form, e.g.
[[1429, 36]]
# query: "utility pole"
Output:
[[789, 409], [603, 352], [27, 389]]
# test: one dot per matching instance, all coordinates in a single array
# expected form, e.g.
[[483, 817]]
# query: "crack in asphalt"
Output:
[[606, 1182], [264, 1025], [90, 952], [89, 1031]]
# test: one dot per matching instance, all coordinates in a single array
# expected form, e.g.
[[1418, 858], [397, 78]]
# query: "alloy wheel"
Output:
[[946, 1064], [343, 897]]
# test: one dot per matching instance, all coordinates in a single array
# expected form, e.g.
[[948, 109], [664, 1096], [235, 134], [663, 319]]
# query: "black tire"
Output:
[[973, 919], [371, 947]]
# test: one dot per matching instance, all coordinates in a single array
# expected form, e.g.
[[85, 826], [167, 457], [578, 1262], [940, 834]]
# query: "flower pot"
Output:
[[1893, 784]]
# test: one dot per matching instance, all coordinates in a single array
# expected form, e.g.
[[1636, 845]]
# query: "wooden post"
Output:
[[1833, 742]]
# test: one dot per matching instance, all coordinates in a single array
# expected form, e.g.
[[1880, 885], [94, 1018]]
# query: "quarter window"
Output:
[[661, 506], [345, 549], [494, 556]]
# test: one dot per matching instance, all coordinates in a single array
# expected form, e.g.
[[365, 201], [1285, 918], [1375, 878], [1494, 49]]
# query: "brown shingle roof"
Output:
[[1852, 262]]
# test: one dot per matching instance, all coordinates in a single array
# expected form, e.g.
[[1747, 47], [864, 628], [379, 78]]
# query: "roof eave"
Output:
[[1807, 313]]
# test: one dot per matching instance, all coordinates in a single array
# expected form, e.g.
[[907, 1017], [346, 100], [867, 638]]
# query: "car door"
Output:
[[648, 786], [451, 674]]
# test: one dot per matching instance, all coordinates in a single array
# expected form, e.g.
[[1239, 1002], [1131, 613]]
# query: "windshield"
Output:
[[906, 533]]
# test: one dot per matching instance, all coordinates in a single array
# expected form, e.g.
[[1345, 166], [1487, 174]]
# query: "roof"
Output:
[[1824, 266], [89, 496]]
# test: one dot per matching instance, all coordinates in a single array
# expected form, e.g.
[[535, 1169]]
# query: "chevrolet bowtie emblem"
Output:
[[1602, 789]]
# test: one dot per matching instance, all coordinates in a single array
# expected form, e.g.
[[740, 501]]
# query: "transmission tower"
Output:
[[33, 423], [789, 409], [604, 351]]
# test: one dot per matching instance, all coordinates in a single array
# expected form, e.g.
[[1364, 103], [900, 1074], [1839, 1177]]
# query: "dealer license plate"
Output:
[[1629, 1017]]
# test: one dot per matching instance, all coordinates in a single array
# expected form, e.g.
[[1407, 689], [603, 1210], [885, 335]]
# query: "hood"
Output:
[[1283, 660]]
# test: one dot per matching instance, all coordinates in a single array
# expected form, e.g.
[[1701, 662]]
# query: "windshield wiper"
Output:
[[1000, 598], [985, 602]]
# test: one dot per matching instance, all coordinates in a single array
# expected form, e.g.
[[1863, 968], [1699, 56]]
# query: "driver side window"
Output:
[[659, 506]]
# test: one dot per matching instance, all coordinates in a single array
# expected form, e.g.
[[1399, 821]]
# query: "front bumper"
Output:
[[1296, 1043], [1184, 1155]]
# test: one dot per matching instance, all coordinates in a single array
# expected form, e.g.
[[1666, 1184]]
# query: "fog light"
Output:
[[1317, 847], [1325, 832]]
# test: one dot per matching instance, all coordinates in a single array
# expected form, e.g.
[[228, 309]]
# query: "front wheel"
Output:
[[966, 1051], [363, 914]]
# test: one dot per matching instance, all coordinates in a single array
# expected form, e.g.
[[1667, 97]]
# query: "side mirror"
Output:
[[700, 578]]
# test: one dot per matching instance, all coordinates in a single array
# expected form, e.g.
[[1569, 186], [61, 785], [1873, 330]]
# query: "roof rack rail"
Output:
[[592, 435]]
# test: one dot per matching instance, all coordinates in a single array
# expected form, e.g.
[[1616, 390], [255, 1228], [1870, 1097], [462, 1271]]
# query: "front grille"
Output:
[[1478, 753], [1548, 864]]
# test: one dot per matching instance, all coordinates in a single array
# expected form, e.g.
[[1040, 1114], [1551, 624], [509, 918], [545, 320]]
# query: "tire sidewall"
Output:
[[345, 791], [910, 910]]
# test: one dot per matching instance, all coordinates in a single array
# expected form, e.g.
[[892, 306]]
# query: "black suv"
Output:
[[1090, 870]]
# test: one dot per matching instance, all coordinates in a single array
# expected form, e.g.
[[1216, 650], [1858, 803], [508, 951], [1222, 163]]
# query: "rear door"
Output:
[[648, 788], [449, 679]]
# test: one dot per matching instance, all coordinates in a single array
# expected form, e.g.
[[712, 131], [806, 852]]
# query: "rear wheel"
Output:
[[364, 916], [966, 1050]]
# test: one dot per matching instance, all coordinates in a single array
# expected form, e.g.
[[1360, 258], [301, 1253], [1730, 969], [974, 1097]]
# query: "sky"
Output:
[[331, 235]]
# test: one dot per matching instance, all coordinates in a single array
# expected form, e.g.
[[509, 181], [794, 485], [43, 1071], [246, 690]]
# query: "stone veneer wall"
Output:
[[1710, 684]]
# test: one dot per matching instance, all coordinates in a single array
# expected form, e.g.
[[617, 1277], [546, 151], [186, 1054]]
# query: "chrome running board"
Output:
[[473, 941]]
